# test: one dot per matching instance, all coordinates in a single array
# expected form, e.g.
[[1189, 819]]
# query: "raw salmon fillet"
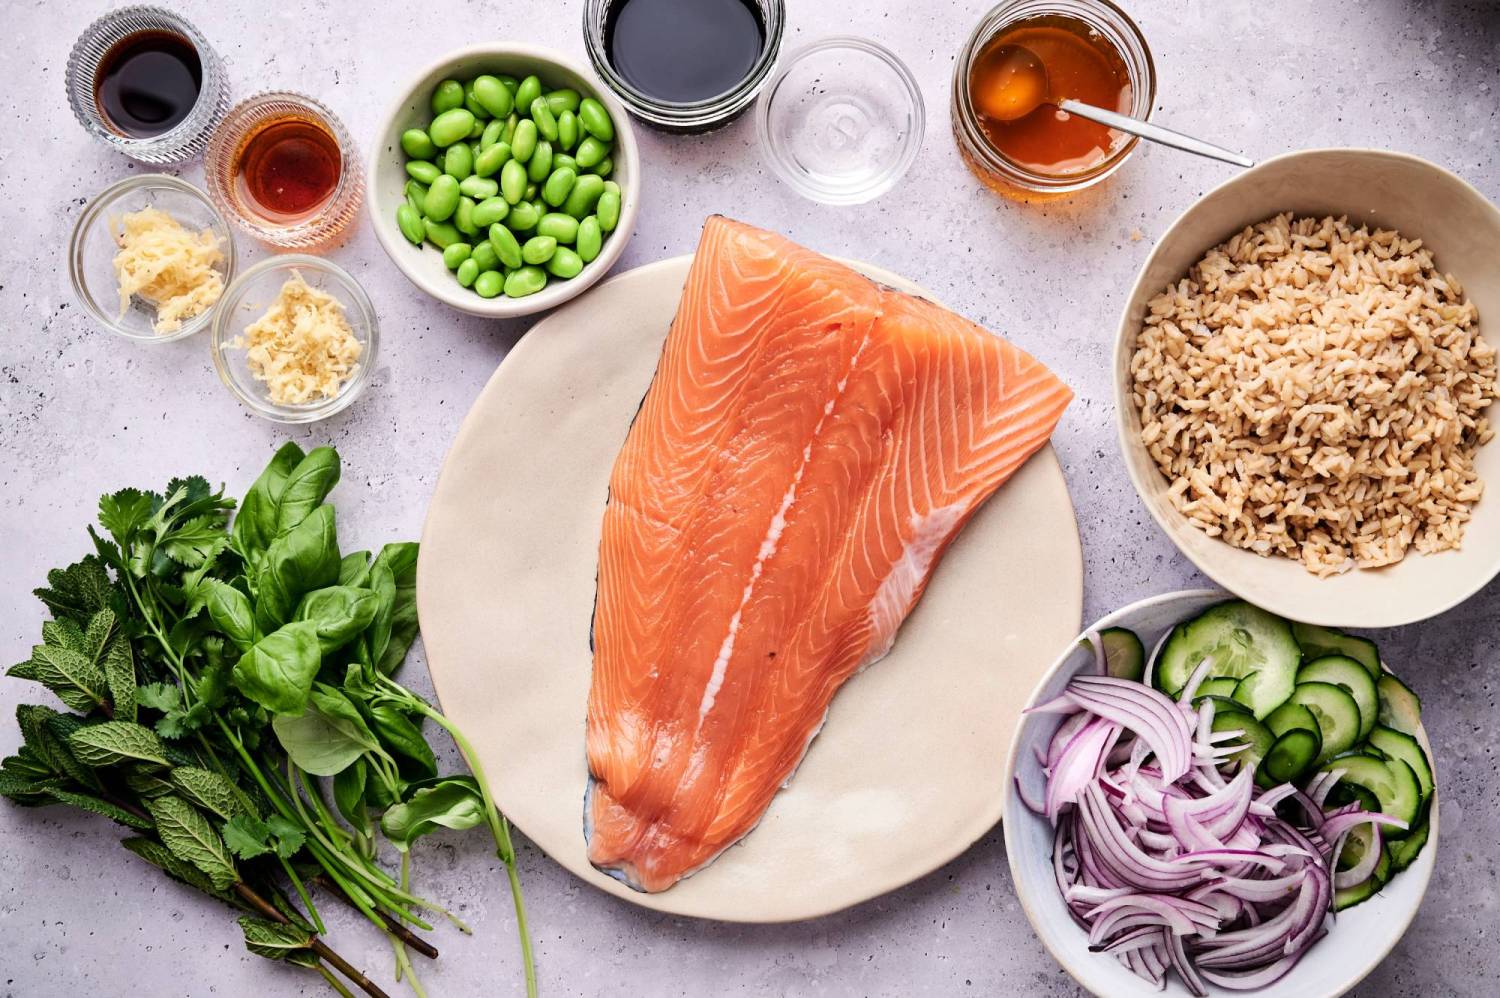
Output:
[[809, 447]]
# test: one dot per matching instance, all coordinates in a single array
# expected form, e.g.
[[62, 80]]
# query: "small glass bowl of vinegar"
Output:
[[1048, 154]]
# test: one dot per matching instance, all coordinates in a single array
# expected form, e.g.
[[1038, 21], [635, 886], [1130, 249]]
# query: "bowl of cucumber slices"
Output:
[[1209, 798]]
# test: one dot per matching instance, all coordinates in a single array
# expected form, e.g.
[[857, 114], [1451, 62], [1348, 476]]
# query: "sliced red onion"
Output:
[[1096, 644], [1078, 765], [1153, 718], [1359, 872], [1195, 679]]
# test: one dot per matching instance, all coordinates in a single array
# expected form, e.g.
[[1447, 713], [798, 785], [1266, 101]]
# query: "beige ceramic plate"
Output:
[[909, 770], [1388, 189]]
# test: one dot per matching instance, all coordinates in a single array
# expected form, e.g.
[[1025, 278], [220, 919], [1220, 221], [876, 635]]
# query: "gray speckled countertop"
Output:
[[85, 413]]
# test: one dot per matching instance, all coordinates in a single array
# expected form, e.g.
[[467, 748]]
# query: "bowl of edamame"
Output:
[[505, 180]]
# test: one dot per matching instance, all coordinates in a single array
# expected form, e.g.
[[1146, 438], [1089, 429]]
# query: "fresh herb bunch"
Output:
[[224, 681]]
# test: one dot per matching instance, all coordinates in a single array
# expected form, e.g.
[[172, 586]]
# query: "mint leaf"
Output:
[[70, 674], [192, 839], [209, 790], [161, 857], [113, 812], [273, 940], [247, 837], [78, 591], [114, 742]]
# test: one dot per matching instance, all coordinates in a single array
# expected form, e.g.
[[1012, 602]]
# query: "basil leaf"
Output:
[[349, 793], [340, 613], [255, 527], [298, 562], [277, 672], [231, 612], [402, 561], [306, 488], [328, 736], [378, 637], [113, 742], [403, 738], [192, 839], [453, 803], [354, 570]]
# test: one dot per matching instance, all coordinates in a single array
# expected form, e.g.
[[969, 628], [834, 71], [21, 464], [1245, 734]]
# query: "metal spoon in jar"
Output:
[[1021, 87]]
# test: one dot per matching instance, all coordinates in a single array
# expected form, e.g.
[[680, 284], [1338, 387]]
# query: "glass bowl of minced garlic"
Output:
[[150, 258], [294, 338]]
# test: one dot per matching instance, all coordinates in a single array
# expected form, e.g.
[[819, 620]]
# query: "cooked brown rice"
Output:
[[1317, 391]]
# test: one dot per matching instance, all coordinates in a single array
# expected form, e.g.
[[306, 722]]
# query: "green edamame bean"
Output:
[[458, 161], [590, 152], [538, 249], [567, 130], [513, 181], [595, 120], [523, 143], [584, 196], [416, 189], [612, 187], [472, 105], [455, 254], [446, 96], [563, 228], [484, 255], [468, 271], [422, 171], [607, 209], [491, 134], [546, 122], [463, 217], [529, 90], [590, 239], [413, 200], [441, 234], [489, 211], [558, 186], [529, 194], [506, 247], [510, 82], [491, 93], [451, 126], [565, 264], [564, 99], [476, 130], [523, 217], [442, 199], [489, 162], [409, 221], [604, 167], [479, 188], [525, 281], [562, 159], [416, 144], [540, 164], [489, 284], [509, 135]]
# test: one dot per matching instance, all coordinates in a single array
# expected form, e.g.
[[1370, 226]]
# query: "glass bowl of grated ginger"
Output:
[[150, 258], [294, 338]]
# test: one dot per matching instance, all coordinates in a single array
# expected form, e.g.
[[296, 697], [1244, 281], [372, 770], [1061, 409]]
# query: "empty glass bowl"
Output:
[[92, 249], [842, 120], [247, 300]]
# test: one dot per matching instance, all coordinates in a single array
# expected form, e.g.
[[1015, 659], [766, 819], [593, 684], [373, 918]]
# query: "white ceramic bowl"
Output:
[[1388, 189], [1358, 938], [386, 175]]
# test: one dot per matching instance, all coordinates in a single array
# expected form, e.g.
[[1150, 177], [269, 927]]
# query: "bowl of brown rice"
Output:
[[1303, 386]]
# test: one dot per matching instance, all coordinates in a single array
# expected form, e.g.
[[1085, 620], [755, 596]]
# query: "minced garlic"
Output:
[[167, 266], [302, 347]]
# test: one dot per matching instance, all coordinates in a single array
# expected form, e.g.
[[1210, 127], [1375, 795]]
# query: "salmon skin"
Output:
[[810, 445]]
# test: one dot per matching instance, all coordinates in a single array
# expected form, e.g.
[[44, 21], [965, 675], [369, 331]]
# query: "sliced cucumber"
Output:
[[1350, 793], [1336, 712], [1392, 783], [1318, 642], [1399, 745], [1404, 851], [1290, 716], [1292, 755], [1348, 897], [1219, 686], [1346, 672], [1256, 736], [1400, 708], [1241, 642], [1124, 656]]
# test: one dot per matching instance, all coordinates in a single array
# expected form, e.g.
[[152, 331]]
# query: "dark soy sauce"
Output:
[[684, 50], [148, 82]]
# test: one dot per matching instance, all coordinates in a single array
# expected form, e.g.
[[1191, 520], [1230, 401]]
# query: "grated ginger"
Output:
[[303, 347], [167, 266]]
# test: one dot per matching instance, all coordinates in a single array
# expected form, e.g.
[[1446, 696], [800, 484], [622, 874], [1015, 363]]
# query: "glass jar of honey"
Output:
[[1090, 51]]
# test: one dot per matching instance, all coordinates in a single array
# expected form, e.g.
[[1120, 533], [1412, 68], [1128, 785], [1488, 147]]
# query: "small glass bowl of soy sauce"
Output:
[[146, 83], [684, 65]]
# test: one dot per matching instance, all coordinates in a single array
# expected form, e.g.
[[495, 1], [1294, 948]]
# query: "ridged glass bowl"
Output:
[[92, 248], [323, 228], [248, 298], [188, 139]]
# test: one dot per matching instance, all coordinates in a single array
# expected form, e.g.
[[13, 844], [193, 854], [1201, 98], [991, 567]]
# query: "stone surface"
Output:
[[84, 413]]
